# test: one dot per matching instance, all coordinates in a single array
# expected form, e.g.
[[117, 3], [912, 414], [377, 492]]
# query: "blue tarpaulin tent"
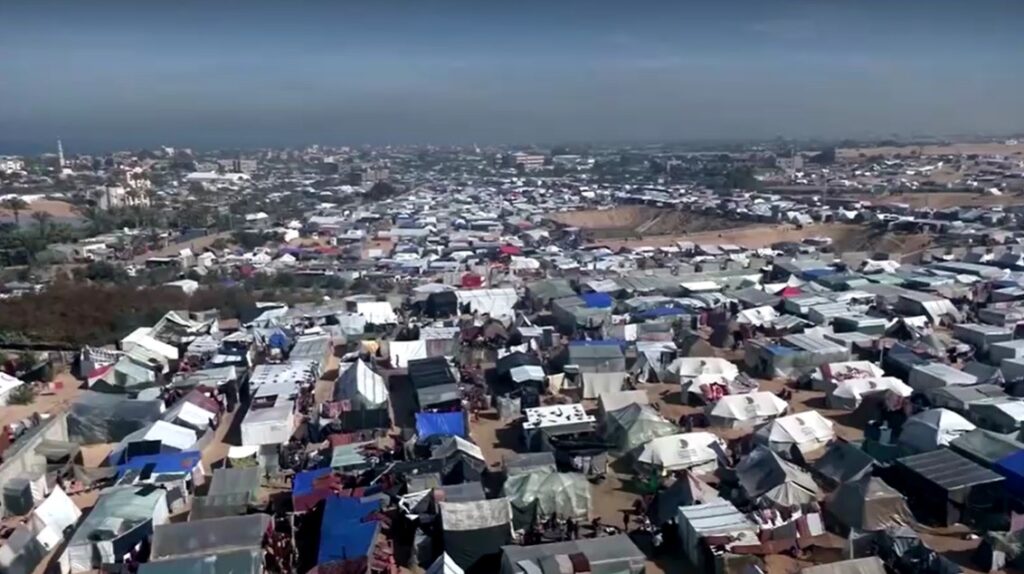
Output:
[[661, 312], [343, 533], [302, 482], [429, 424], [278, 340], [597, 300], [182, 462], [1012, 467]]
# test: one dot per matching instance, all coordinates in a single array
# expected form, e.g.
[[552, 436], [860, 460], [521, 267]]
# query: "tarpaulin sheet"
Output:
[[430, 424], [1012, 467], [597, 300], [178, 462], [343, 534], [302, 483]]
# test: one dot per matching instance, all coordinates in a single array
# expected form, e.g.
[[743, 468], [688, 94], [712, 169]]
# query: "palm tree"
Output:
[[16, 205], [42, 220]]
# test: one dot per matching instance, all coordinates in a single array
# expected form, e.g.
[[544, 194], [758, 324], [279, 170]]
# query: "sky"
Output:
[[108, 74]]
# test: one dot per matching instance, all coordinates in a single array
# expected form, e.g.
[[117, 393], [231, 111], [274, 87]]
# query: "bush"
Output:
[[23, 395]]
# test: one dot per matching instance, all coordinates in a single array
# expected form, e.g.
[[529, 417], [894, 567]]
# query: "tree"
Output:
[[42, 220], [15, 205]]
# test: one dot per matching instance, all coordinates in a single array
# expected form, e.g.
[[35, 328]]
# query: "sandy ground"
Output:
[[927, 150], [622, 216], [940, 199], [846, 237], [60, 210], [48, 401]]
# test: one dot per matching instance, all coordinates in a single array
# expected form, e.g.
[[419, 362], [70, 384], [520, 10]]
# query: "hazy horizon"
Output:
[[115, 75]]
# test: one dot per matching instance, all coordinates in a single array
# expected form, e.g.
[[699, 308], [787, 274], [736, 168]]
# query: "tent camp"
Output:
[[696, 451], [807, 431], [763, 474], [752, 409], [362, 386], [633, 426], [931, 429], [122, 518], [26, 548], [867, 504], [541, 493], [474, 532]]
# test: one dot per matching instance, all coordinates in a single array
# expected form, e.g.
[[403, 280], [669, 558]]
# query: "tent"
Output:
[[122, 518], [362, 386], [943, 487], [209, 536], [345, 532], [499, 303], [164, 436], [231, 492], [474, 532], [633, 426], [763, 474], [868, 565], [827, 376], [931, 429], [266, 426], [807, 431], [685, 491], [750, 409], [542, 492], [7, 386], [376, 312], [868, 504], [445, 565], [843, 462], [716, 523], [849, 393], [52, 518], [695, 372], [429, 424], [615, 400], [102, 418], [605, 555], [697, 451], [244, 561]]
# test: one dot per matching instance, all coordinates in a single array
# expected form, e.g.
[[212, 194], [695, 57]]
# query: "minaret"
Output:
[[60, 155]]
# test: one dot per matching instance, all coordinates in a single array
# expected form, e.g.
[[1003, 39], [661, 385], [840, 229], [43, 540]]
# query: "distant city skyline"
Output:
[[111, 75]]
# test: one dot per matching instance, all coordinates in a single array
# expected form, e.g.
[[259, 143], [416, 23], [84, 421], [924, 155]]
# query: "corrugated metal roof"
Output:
[[948, 469]]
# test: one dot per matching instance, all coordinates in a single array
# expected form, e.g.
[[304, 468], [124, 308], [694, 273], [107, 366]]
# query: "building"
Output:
[[525, 161], [246, 166], [9, 164], [117, 196], [367, 175]]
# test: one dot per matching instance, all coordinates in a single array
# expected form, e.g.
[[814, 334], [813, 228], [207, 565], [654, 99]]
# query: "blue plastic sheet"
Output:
[[163, 463], [343, 533], [430, 424], [597, 300]]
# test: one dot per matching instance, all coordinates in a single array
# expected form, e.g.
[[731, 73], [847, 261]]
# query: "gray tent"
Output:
[[209, 536], [868, 505], [231, 492], [102, 418], [763, 474], [243, 561], [844, 462], [634, 425], [565, 494]]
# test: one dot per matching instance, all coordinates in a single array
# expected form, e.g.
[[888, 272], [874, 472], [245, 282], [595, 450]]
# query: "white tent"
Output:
[[524, 373], [494, 302], [7, 386], [827, 376], [361, 385], [694, 372], [848, 394], [272, 425], [191, 414], [444, 565], [808, 431], [141, 338], [52, 517], [167, 434], [377, 312], [746, 410], [928, 430], [698, 451], [401, 352], [757, 316], [566, 494]]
